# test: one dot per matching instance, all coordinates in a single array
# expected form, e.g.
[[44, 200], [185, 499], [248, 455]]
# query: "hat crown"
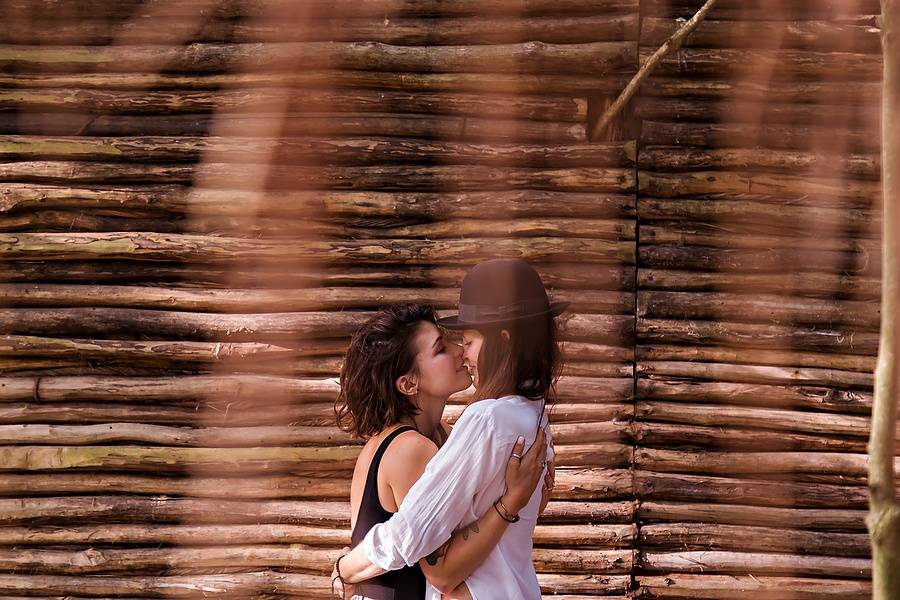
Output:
[[503, 283]]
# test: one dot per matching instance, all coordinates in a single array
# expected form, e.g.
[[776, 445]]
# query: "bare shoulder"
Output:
[[412, 445], [405, 461]]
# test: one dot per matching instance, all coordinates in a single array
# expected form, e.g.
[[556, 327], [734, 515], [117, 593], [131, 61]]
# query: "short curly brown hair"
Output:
[[379, 352]]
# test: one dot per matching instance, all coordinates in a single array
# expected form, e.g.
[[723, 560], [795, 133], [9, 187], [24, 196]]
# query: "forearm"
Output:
[[448, 566], [356, 567]]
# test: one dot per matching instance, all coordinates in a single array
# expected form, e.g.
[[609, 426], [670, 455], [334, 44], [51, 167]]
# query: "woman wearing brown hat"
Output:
[[509, 338]]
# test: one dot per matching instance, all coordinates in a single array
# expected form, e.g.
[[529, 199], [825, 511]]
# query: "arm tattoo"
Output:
[[432, 559], [464, 532]]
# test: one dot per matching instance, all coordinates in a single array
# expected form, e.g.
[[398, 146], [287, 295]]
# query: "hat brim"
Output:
[[453, 322]]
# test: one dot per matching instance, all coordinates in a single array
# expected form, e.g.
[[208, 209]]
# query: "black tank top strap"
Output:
[[372, 477]]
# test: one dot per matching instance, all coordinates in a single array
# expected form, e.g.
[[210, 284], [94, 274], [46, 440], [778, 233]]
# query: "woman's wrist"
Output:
[[512, 503], [507, 512]]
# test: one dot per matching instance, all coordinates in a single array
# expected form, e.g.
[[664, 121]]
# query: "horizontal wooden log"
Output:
[[757, 374], [171, 586], [789, 10], [296, 556], [669, 158], [350, 207], [294, 151], [150, 246], [750, 89], [285, 300], [702, 536], [746, 562], [614, 230], [150, 458], [182, 535], [253, 413], [750, 587], [493, 83], [682, 487], [382, 177], [112, 322], [611, 536], [827, 519], [439, 127], [755, 260], [162, 353], [655, 130], [737, 439], [211, 437], [275, 229], [758, 308], [172, 560], [827, 285], [245, 388], [217, 276], [756, 335], [583, 561], [401, 30], [240, 102], [706, 239], [146, 510], [209, 326], [671, 185], [753, 394], [845, 117], [738, 463], [779, 64], [794, 358], [283, 9], [827, 424], [806, 35], [282, 487], [531, 56], [250, 460], [771, 217], [584, 583], [187, 389]]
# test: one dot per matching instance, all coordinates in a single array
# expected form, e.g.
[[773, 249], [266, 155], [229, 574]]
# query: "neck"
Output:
[[427, 421]]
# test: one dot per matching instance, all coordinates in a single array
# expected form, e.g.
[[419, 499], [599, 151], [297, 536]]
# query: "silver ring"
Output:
[[519, 456]]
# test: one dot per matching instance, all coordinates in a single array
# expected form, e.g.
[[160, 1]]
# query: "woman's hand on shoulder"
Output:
[[523, 471]]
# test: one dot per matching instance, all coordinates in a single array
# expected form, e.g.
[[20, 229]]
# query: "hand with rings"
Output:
[[524, 471]]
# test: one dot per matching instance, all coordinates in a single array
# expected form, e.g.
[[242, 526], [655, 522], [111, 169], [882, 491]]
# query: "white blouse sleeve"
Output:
[[437, 503]]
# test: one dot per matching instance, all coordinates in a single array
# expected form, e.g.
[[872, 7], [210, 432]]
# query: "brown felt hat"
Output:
[[498, 292]]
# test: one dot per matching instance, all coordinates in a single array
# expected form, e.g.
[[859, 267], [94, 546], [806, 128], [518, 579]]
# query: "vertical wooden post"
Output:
[[884, 512]]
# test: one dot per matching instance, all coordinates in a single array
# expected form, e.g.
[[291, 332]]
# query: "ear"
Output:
[[504, 333], [408, 385]]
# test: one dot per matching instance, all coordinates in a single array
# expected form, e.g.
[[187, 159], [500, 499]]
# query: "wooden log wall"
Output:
[[757, 301], [200, 200]]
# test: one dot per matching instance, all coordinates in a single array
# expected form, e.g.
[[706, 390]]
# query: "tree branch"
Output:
[[670, 45]]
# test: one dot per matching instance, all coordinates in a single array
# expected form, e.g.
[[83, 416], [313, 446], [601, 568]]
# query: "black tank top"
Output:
[[407, 583]]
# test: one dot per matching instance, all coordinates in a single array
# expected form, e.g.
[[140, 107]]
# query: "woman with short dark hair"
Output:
[[510, 347]]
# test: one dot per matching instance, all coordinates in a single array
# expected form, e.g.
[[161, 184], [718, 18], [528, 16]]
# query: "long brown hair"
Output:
[[379, 352], [527, 363]]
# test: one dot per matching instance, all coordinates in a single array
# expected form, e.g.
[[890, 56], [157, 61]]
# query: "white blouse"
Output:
[[459, 485]]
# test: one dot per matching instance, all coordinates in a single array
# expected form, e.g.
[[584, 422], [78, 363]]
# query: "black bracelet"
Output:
[[339, 577], [506, 517]]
